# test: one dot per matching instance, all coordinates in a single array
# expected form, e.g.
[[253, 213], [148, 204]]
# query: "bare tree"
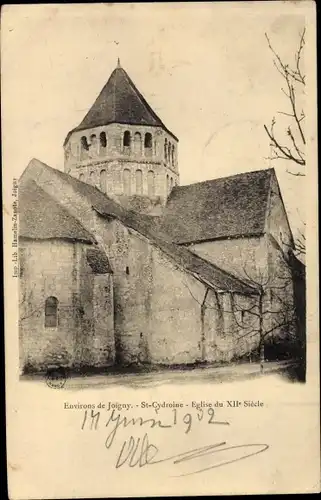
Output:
[[272, 310], [26, 309], [269, 310], [290, 144]]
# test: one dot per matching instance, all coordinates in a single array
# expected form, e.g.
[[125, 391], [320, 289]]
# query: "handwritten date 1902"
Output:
[[115, 421]]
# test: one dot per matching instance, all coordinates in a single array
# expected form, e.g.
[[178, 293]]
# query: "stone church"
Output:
[[119, 264]]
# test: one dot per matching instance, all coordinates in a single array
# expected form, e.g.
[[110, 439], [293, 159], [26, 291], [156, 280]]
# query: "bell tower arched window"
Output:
[[139, 182], [173, 155], [148, 144], [137, 143], [103, 179], [84, 147], [126, 181], [102, 141], [165, 149], [92, 178], [51, 312], [150, 183], [84, 143], [148, 140], [126, 139]]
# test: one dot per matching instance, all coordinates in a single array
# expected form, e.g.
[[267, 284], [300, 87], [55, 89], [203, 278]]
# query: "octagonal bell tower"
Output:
[[123, 148]]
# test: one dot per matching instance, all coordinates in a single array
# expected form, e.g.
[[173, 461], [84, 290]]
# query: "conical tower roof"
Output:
[[120, 102]]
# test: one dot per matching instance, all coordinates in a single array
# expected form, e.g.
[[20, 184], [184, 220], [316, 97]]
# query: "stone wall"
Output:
[[48, 271], [154, 310], [175, 325], [163, 315], [83, 334], [242, 257]]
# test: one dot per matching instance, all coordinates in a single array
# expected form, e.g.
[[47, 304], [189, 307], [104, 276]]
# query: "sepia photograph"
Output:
[[157, 161]]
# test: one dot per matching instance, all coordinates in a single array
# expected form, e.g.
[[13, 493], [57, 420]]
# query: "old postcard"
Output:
[[161, 249]]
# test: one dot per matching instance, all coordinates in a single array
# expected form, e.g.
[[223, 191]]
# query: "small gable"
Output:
[[277, 223]]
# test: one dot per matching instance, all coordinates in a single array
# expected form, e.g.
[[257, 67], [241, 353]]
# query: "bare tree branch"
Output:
[[292, 76]]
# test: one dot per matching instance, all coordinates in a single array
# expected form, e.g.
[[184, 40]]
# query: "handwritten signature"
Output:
[[140, 452]]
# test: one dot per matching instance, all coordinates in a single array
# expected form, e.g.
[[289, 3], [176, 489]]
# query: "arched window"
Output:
[[148, 140], [103, 179], [150, 183], [137, 143], [93, 145], [126, 139], [126, 181], [51, 312], [167, 184], [139, 182], [92, 178], [84, 147], [172, 183], [103, 140], [84, 143], [165, 149], [173, 154], [169, 152], [148, 144], [82, 177]]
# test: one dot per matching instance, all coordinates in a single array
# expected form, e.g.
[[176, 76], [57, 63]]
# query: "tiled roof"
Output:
[[120, 102], [220, 208], [41, 217], [146, 226]]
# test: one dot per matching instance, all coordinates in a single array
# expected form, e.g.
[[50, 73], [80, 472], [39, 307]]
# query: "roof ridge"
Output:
[[208, 181], [150, 109]]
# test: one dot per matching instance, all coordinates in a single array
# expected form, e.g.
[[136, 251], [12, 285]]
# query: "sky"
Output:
[[205, 69]]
